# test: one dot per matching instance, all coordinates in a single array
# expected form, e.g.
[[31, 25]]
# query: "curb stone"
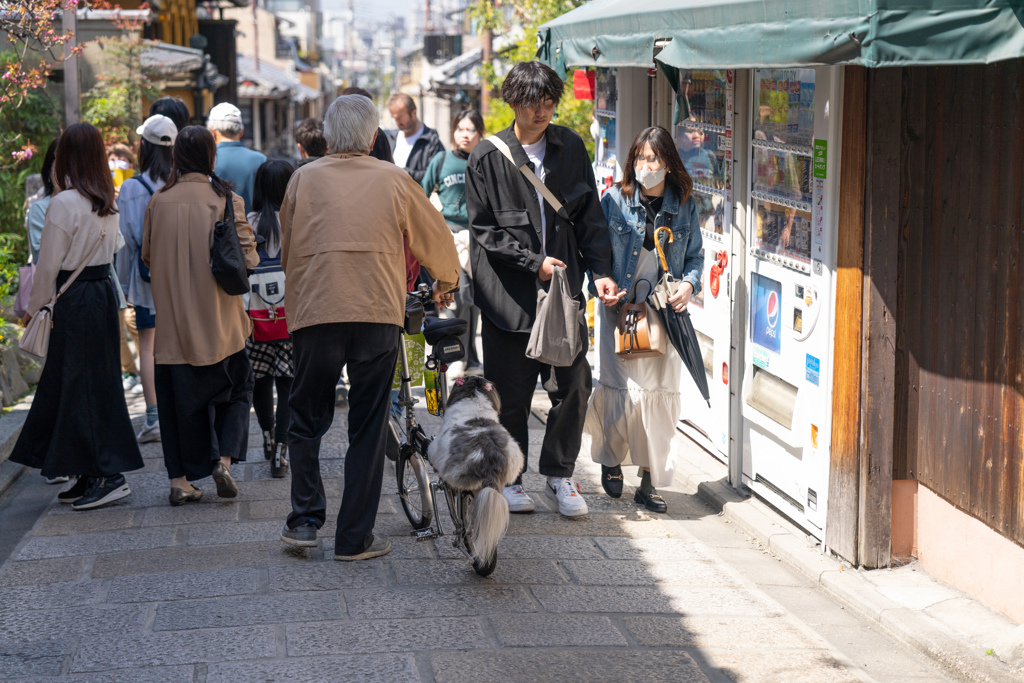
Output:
[[10, 430], [795, 548]]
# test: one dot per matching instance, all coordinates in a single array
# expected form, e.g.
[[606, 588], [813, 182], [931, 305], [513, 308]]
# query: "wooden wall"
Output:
[[959, 358]]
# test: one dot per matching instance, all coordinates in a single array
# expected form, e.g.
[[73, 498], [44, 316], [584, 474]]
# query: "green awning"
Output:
[[775, 33]]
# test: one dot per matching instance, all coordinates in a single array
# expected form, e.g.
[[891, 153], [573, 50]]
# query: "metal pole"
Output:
[[255, 38], [72, 88]]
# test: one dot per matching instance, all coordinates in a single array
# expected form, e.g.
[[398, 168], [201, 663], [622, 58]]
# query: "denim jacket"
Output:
[[627, 222]]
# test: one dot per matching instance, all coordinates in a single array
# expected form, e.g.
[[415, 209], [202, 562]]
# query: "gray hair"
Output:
[[350, 124], [230, 128]]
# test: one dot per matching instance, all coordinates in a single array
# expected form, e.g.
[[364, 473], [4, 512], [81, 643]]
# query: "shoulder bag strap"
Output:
[[549, 197], [146, 185], [85, 262]]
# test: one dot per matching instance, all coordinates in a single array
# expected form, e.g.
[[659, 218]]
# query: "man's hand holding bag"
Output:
[[556, 339]]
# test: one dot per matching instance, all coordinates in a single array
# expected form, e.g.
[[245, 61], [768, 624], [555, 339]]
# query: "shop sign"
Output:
[[820, 158]]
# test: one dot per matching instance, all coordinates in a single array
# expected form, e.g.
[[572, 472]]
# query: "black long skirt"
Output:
[[78, 423], [204, 414]]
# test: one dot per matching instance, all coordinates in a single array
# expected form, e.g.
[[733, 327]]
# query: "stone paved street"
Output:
[[144, 592]]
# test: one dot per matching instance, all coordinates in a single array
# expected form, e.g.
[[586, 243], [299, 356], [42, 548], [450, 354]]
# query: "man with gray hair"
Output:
[[235, 163], [343, 221]]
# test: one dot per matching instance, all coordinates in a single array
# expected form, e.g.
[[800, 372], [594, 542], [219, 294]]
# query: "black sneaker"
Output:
[[103, 491], [303, 536], [76, 491]]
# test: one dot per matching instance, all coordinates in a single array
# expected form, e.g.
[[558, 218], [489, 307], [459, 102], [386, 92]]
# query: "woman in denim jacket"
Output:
[[633, 411]]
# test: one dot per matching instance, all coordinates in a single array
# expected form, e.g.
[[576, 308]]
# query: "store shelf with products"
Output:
[[801, 150], [784, 261], [779, 199], [707, 189], [705, 127]]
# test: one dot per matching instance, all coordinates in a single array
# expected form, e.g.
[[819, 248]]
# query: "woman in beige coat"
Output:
[[203, 377]]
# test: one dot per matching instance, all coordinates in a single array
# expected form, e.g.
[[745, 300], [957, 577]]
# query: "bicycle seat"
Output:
[[436, 329]]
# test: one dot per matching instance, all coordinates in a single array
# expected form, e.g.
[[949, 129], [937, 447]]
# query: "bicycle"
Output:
[[408, 442]]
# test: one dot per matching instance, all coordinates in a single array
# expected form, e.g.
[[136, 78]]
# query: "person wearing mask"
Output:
[[342, 256], [158, 134], [446, 176], [309, 138], [78, 424], [413, 145], [203, 377], [173, 108], [270, 353], [518, 240], [236, 163], [634, 410]]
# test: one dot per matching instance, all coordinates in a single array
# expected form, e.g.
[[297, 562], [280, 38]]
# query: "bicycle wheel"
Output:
[[414, 488], [482, 566]]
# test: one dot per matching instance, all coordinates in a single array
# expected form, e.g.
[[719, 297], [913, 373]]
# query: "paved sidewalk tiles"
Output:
[[207, 592]]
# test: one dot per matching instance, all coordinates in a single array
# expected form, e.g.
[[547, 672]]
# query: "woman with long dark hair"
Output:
[[446, 175], [202, 374], [36, 217], [270, 347], [78, 424], [635, 406], [158, 134]]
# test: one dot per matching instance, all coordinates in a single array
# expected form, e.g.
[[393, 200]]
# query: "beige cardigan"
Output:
[[342, 223], [197, 322], [69, 236]]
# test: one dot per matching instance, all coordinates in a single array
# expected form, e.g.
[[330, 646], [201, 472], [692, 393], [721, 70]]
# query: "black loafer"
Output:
[[181, 496], [611, 480], [651, 500], [226, 486]]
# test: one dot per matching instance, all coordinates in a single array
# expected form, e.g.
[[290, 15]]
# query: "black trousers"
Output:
[[465, 309], [204, 414], [515, 377], [370, 350], [263, 404]]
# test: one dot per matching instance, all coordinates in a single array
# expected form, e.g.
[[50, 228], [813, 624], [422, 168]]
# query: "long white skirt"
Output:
[[632, 414]]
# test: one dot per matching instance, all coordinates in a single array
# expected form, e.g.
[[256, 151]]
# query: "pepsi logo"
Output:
[[773, 309]]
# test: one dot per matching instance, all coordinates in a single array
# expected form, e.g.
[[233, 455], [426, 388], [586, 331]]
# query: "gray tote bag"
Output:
[[555, 338]]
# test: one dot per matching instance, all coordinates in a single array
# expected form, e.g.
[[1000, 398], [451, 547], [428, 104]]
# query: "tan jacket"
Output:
[[342, 223], [197, 322]]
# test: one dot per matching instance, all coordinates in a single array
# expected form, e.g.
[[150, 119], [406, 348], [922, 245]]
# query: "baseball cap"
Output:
[[158, 130], [226, 112]]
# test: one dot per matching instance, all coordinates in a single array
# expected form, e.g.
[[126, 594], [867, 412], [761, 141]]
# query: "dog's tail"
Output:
[[490, 521]]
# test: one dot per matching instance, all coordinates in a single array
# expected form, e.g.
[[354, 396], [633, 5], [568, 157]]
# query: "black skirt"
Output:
[[204, 414], [78, 423]]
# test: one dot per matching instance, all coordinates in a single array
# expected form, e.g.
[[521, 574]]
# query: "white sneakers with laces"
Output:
[[567, 495], [518, 500], [149, 432]]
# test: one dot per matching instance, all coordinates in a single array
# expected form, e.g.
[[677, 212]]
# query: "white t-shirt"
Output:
[[535, 153], [403, 147]]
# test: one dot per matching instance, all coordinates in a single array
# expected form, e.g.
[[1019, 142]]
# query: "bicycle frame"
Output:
[[417, 440]]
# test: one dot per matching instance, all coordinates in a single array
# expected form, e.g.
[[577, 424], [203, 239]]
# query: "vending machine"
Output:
[[703, 133], [793, 195]]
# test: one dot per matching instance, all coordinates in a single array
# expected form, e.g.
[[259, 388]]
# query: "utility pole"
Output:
[[486, 51], [350, 47], [255, 38], [72, 88], [427, 23]]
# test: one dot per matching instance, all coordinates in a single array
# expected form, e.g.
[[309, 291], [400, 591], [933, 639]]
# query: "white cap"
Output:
[[225, 112], [158, 130]]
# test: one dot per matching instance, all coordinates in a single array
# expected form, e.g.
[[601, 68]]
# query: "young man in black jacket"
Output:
[[518, 239], [413, 145]]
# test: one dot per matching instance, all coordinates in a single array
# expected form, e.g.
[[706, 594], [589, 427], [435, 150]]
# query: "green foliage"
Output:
[[31, 125], [530, 14], [114, 104]]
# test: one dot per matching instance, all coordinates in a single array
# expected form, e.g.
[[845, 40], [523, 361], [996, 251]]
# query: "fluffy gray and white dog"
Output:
[[474, 452]]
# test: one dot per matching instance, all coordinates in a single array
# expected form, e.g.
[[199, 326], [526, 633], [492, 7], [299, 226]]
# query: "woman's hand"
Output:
[[24, 321], [443, 300], [681, 297]]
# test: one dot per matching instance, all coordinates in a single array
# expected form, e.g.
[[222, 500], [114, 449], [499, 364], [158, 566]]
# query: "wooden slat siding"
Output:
[[914, 150], [961, 295], [878, 329], [842, 525]]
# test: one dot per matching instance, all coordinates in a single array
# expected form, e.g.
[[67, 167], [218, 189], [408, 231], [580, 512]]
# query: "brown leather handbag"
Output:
[[640, 332]]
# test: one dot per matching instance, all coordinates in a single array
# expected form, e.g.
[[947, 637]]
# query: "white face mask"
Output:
[[118, 165], [649, 178]]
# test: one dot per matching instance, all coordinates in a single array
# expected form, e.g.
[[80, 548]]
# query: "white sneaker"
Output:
[[566, 493], [137, 389], [130, 382], [149, 432], [518, 500]]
